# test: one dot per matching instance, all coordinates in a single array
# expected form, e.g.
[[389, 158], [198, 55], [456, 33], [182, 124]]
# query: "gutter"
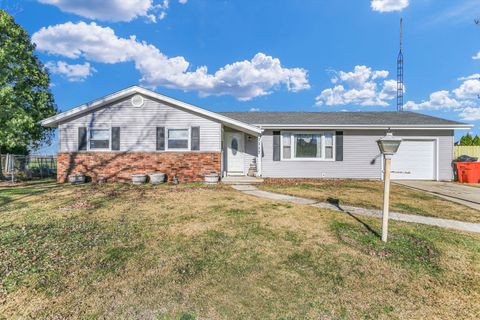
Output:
[[369, 127]]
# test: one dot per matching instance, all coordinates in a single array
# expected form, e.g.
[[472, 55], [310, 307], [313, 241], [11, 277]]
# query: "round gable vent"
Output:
[[137, 100]]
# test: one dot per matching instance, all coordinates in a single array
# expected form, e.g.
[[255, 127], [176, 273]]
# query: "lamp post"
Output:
[[388, 146]]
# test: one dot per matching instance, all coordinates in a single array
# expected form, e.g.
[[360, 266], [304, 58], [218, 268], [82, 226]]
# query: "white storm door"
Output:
[[235, 155]]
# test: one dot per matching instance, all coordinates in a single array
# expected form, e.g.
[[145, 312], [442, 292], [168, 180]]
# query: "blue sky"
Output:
[[289, 55]]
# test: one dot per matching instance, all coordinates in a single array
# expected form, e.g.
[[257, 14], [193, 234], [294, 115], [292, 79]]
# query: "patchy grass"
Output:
[[369, 194], [40, 255], [401, 247], [198, 252]]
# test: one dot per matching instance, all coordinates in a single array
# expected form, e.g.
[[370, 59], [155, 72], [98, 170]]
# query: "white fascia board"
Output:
[[53, 121], [369, 127]]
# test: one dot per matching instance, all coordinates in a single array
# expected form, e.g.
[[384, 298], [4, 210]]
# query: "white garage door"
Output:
[[415, 160]]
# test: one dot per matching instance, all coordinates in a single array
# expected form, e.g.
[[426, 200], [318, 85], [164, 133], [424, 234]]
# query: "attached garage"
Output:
[[415, 160]]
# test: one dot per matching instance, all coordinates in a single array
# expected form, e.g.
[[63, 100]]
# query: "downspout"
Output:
[[222, 152], [259, 153]]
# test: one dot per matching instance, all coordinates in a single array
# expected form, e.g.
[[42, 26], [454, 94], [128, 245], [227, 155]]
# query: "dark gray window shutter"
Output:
[[82, 138], [195, 143], [115, 138], [160, 138], [339, 146], [276, 145]]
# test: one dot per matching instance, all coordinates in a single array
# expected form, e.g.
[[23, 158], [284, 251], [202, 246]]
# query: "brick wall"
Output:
[[119, 166]]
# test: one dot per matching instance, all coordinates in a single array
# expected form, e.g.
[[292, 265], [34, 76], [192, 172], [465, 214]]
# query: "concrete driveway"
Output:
[[463, 194]]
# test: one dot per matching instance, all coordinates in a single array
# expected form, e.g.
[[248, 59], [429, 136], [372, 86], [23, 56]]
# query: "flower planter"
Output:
[[211, 179], [101, 180], [78, 178], [139, 178], [157, 178]]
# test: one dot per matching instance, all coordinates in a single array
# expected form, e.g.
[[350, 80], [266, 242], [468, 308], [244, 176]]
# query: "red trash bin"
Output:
[[471, 175], [476, 168], [468, 172], [460, 166]]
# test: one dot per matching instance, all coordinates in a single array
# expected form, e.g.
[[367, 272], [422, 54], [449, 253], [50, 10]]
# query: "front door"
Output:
[[235, 154]]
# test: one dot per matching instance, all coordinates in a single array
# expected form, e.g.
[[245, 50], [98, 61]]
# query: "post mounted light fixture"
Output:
[[388, 146]]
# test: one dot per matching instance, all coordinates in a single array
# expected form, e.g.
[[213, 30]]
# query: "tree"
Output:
[[476, 141], [25, 96], [468, 140]]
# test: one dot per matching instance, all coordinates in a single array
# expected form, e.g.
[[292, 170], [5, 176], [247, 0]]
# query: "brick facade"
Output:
[[119, 166]]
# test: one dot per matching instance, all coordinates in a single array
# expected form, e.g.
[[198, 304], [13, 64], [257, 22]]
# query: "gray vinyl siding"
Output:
[[361, 158], [138, 125]]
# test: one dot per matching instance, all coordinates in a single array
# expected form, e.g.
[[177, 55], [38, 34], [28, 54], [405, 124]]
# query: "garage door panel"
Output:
[[415, 160]]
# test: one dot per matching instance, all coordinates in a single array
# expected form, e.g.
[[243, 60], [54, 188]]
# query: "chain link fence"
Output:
[[21, 167]]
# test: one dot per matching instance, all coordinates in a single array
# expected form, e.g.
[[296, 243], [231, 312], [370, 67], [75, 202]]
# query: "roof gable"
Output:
[[99, 103]]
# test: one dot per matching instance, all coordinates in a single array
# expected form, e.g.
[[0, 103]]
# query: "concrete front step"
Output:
[[241, 180]]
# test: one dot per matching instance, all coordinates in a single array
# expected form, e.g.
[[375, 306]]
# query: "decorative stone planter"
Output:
[[139, 178], [211, 178], [77, 178], [101, 180], [157, 178]]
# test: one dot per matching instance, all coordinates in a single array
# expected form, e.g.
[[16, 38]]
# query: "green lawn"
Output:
[[369, 194], [197, 252]]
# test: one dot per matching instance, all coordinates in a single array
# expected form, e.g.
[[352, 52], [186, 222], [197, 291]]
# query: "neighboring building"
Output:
[[139, 131]]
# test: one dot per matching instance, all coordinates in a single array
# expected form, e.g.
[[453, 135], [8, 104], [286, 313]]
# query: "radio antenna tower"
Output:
[[400, 71]]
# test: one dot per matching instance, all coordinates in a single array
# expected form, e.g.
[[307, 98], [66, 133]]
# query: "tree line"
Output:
[[469, 140]]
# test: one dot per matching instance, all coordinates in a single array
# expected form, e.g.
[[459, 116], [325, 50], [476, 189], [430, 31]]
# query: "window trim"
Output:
[[89, 129], [292, 146], [189, 139]]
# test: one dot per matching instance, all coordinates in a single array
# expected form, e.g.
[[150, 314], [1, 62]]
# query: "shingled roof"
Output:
[[341, 118]]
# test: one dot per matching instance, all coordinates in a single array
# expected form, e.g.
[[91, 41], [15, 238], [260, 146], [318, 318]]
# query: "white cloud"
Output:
[[73, 72], [470, 77], [438, 100], [469, 89], [362, 86], [477, 56], [389, 90], [463, 99], [162, 7], [253, 109], [389, 5], [470, 114], [113, 10], [244, 79]]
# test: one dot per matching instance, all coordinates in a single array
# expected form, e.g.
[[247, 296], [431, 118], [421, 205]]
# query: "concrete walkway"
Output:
[[444, 223], [459, 193]]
